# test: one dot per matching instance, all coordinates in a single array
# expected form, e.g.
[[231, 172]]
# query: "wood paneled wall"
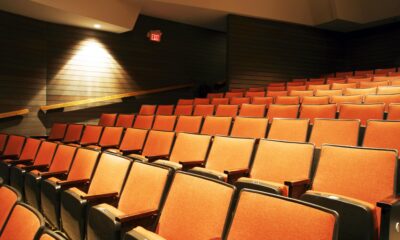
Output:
[[373, 48], [262, 51], [55, 63]]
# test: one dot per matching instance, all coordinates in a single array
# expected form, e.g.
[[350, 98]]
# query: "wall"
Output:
[[49, 63], [373, 48], [262, 51]]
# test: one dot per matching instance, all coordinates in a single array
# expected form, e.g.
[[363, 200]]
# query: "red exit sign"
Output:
[[154, 35]]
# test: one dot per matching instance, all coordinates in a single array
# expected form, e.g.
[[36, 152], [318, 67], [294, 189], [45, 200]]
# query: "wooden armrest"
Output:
[[45, 137], [388, 202], [236, 171], [52, 174], [10, 156], [99, 196], [131, 217], [297, 187], [153, 158], [297, 182], [189, 164], [19, 161], [35, 167], [68, 183]]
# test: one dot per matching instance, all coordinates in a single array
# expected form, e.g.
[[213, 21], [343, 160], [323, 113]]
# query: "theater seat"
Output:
[[73, 133], [31, 227], [351, 181], [262, 100], [382, 134], [107, 119], [318, 111], [106, 185], [57, 132], [229, 158], [3, 141], [42, 161], [195, 208], [13, 147], [144, 121], [335, 131], [287, 100], [139, 204], [147, 109], [50, 235], [318, 100], [164, 123], [252, 110], [165, 110], [260, 215], [363, 112], [204, 110], [27, 155], [59, 166], [158, 146], [226, 110], [248, 127], [281, 168], [328, 93], [216, 126], [239, 100], [385, 98], [196, 145], [91, 135], [235, 94], [79, 174], [185, 101], [289, 129], [183, 110], [282, 111], [393, 111], [110, 138], [215, 95], [188, 124], [9, 196], [125, 120], [201, 101], [221, 100]]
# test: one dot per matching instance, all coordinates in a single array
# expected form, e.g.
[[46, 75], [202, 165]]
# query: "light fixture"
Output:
[[97, 26]]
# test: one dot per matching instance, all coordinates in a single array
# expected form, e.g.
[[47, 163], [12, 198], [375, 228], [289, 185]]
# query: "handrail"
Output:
[[112, 97], [14, 113]]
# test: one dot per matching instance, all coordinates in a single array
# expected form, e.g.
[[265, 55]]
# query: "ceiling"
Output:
[[120, 15]]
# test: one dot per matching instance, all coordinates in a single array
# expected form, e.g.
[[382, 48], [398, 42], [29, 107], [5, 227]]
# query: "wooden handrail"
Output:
[[14, 113], [112, 97]]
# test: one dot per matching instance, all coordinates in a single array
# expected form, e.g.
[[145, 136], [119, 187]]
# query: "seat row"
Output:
[[154, 198], [323, 84], [366, 177]]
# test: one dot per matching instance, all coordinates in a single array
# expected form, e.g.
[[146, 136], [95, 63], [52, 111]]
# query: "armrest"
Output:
[[99, 196], [45, 137], [15, 162], [236, 171], [131, 217], [70, 183], [297, 187], [35, 167], [153, 158], [10, 156], [109, 146], [191, 164], [52, 174], [388, 202]]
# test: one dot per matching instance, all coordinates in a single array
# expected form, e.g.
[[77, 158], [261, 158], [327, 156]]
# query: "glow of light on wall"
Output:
[[91, 71]]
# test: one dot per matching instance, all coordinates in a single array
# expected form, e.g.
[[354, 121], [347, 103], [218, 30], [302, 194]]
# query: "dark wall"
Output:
[[49, 63], [262, 51], [373, 48]]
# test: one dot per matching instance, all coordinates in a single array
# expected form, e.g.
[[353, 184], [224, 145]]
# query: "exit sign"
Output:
[[154, 35]]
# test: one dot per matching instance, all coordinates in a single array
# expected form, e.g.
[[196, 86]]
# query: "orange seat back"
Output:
[[73, 133], [63, 158], [335, 131], [125, 120], [83, 165], [144, 121], [158, 143], [14, 145], [57, 131], [164, 122], [196, 145], [229, 153], [188, 124], [91, 134], [266, 216], [216, 125], [133, 140], [165, 109], [282, 111], [147, 109], [111, 136], [247, 127], [107, 119], [226, 110], [183, 110], [382, 134], [363, 112], [181, 220], [318, 111], [289, 129]]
